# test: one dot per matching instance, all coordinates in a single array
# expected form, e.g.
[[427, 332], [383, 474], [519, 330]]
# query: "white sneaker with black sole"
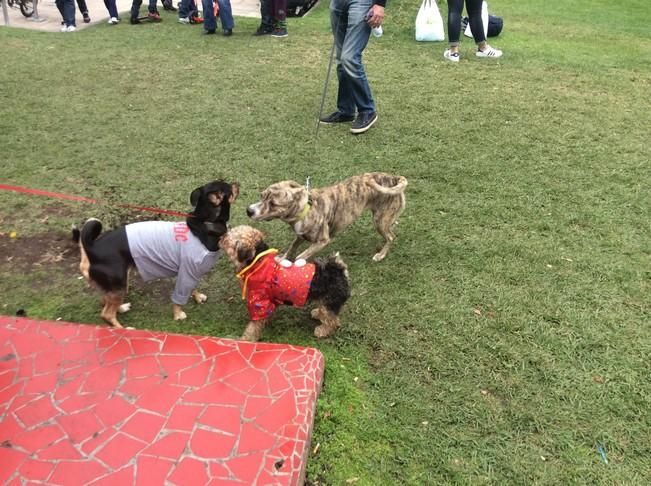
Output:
[[489, 52], [451, 56]]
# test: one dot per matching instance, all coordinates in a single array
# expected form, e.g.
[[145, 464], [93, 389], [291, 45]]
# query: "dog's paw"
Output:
[[126, 307], [378, 257], [323, 331], [316, 313], [200, 298], [180, 316]]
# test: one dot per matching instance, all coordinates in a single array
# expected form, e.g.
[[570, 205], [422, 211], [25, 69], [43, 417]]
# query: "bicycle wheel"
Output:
[[26, 8]]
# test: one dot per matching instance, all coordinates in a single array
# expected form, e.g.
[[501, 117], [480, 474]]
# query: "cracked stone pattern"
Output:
[[82, 404]]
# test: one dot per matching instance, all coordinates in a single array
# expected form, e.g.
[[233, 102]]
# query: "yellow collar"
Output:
[[304, 211], [244, 273]]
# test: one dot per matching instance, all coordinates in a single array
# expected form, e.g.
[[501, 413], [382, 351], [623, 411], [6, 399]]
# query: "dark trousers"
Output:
[[135, 8], [81, 5], [111, 7], [272, 12], [473, 7], [67, 9]]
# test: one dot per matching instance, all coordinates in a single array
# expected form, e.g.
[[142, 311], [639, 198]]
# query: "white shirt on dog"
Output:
[[162, 249]]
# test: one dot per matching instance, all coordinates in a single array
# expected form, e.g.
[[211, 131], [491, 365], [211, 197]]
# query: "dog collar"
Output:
[[249, 270], [305, 210]]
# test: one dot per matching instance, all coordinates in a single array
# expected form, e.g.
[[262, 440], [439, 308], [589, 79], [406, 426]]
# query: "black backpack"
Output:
[[495, 25]]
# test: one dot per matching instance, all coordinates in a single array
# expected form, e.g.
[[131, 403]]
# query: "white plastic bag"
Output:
[[429, 24], [484, 21]]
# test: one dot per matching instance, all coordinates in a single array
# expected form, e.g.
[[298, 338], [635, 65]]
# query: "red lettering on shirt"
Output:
[[181, 232]]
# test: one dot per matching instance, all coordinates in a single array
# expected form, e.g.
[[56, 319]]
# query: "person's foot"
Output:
[[451, 56], [363, 122], [227, 32], [263, 30], [113, 21], [336, 117], [184, 20], [170, 8], [86, 17], [195, 19], [489, 52], [208, 32], [279, 32], [134, 20], [68, 28], [154, 16]]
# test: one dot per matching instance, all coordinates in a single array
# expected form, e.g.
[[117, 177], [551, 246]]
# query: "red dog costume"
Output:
[[266, 284]]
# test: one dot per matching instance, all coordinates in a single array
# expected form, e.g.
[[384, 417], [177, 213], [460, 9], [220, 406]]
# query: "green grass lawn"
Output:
[[505, 337]]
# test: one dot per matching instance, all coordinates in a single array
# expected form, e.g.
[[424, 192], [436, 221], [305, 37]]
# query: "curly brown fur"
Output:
[[317, 215], [329, 288]]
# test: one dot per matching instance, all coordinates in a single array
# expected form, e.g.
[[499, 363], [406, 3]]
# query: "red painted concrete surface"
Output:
[[82, 404]]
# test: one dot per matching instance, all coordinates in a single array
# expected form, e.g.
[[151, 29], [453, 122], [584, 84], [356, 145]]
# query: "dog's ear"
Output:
[[195, 195], [235, 191]]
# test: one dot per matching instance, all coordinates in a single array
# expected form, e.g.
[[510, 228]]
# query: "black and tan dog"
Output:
[[319, 214], [267, 282], [157, 249]]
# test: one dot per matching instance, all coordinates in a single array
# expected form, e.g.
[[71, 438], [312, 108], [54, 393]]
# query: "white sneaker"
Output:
[[451, 56], [184, 20], [68, 28], [489, 52], [113, 21]]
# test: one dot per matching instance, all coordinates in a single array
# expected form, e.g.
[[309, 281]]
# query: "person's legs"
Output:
[[135, 10], [454, 24], [339, 24], [112, 8], [266, 17], [184, 9], [69, 13], [83, 8], [473, 7], [279, 18], [226, 15], [209, 21], [350, 60], [152, 7]]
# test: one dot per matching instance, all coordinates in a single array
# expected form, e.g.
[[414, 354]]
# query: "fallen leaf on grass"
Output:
[[352, 480], [477, 312]]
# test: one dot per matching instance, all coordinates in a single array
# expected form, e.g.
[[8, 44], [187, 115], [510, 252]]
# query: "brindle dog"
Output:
[[317, 215]]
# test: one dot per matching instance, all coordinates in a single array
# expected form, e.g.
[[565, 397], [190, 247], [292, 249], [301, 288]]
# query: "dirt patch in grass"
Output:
[[51, 249]]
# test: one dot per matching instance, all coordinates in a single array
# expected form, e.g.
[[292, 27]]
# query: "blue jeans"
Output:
[[351, 32], [67, 10], [225, 15]]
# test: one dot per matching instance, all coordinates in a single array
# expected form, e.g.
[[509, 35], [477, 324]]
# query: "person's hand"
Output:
[[375, 16]]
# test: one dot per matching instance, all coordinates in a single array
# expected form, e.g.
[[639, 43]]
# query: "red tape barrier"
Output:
[[57, 195]]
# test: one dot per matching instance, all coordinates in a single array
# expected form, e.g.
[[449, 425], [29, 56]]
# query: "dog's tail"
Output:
[[387, 184], [335, 262], [89, 232]]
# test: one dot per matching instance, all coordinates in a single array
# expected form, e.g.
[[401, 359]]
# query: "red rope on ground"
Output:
[[58, 195]]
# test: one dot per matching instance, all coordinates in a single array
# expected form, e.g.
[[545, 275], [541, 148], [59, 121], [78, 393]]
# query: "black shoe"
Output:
[[227, 32], [170, 8], [86, 17], [262, 30], [208, 32], [134, 20], [336, 117], [363, 122]]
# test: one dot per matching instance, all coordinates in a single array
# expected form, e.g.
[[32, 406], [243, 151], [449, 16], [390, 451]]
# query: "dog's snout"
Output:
[[250, 211]]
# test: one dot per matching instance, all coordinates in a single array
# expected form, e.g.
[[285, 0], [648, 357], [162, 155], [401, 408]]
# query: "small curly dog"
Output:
[[268, 281], [318, 214]]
